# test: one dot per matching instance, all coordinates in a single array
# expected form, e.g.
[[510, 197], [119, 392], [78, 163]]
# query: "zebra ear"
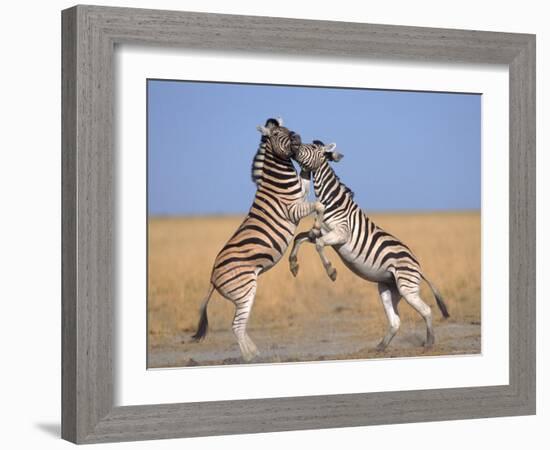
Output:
[[264, 130], [332, 155]]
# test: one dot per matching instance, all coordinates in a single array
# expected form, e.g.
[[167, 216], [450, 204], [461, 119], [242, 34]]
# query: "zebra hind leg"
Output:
[[243, 307], [389, 297], [412, 297]]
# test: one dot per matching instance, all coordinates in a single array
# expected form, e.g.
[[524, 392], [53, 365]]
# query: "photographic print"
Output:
[[297, 223]]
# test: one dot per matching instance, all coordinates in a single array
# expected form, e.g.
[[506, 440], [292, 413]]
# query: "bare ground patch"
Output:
[[316, 342]]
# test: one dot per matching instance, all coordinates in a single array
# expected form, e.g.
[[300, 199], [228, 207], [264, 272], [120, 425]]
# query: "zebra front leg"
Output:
[[298, 241], [300, 210], [296, 213], [334, 237], [319, 218]]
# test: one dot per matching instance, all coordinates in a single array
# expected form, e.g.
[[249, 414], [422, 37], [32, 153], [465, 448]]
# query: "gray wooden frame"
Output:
[[89, 36]]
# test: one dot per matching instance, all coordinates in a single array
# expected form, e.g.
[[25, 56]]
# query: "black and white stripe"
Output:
[[364, 247], [264, 235]]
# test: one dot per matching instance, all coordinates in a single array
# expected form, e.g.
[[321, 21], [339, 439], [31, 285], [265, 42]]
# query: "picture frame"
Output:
[[89, 37]]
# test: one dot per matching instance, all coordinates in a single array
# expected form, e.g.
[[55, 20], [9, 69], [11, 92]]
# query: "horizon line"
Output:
[[393, 211]]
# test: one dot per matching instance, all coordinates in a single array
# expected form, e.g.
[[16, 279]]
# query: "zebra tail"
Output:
[[202, 327], [438, 298]]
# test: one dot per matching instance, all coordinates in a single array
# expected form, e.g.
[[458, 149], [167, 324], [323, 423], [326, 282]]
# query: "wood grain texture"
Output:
[[68, 225], [89, 36], [523, 224]]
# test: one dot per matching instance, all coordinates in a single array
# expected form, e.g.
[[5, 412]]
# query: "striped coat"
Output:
[[365, 248], [265, 233]]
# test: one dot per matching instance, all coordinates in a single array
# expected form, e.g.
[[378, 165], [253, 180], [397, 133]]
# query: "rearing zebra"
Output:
[[364, 247], [264, 235]]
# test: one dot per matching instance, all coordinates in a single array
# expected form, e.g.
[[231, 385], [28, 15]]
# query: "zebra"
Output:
[[365, 248], [260, 241]]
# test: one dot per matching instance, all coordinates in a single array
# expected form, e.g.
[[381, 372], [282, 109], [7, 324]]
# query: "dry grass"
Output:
[[182, 250]]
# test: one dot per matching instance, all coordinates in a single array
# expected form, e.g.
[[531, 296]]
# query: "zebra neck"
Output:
[[268, 164], [280, 178], [275, 176], [325, 182]]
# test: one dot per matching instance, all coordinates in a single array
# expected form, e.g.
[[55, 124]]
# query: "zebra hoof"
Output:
[[380, 348], [249, 351], [314, 234], [332, 273], [250, 355], [294, 268], [428, 345]]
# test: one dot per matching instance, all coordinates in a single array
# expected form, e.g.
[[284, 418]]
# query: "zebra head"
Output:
[[278, 136], [311, 156]]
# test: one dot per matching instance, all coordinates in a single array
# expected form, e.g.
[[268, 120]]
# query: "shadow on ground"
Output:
[[52, 429]]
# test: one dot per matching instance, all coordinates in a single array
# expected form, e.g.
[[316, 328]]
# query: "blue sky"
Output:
[[403, 150]]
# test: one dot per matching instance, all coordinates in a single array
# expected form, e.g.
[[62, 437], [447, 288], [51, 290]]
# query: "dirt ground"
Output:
[[310, 318], [324, 342]]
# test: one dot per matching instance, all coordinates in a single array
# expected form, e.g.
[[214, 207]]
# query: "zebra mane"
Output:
[[346, 189], [257, 168]]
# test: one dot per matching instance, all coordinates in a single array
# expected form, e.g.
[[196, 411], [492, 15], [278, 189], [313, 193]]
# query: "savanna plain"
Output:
[[309, 318]]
